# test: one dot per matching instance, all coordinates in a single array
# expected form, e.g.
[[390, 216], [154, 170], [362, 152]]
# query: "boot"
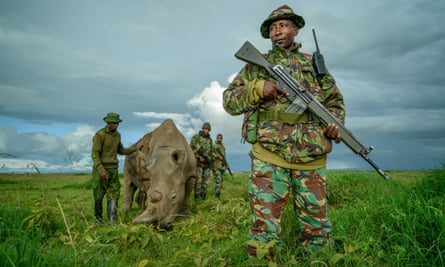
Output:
[[98, 212], [112, 211], [218, 195], [203, 195]]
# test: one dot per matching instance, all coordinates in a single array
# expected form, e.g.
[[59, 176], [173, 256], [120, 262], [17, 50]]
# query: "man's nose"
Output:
[[276, 31]]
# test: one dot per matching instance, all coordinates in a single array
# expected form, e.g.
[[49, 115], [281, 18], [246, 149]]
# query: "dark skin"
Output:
[[282, 33]]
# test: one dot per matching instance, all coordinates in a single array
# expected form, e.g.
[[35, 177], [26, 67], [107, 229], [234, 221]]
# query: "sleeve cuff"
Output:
[[255, 91]]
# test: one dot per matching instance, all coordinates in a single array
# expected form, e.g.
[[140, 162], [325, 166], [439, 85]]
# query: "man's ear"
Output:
[[296, 31]]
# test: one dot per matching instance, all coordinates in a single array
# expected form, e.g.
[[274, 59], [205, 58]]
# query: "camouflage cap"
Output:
[[283, 12], [112, 118], [207, 126]]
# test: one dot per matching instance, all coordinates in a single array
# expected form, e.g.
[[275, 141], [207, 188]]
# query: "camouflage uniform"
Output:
[[201, 145], [289, 151], [219, 167], [106, 146]]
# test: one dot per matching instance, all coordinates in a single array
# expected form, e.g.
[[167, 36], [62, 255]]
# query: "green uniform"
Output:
[[201, 145], [289, 151], [106, 146], [219, 167]]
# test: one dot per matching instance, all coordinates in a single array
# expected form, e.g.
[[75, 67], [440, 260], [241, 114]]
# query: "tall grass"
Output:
[[47, 220]]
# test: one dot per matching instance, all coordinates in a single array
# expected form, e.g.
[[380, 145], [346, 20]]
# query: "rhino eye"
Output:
[[175, 157], [174, 196]]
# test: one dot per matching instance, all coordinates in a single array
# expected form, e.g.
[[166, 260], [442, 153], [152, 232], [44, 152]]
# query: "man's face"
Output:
[[219, 138], [282, 33], [112, 126]]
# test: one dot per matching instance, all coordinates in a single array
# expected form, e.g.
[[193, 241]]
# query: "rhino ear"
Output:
[[178, 156]]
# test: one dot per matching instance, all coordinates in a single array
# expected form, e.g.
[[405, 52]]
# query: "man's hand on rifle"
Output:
[[272, 91], [331, 132]]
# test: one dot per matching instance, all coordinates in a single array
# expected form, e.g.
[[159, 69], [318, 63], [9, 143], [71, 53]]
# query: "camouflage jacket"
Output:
[[106, 146], [219, 151], [202, 147], [300, 141]]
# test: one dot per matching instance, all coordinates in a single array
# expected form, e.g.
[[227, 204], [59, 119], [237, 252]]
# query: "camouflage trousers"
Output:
[[218, 176], [270, 187], [106, 187], [202, 179]]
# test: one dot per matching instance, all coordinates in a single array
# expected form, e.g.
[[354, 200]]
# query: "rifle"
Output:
[[298, 95], [196, 151], [225, 163]]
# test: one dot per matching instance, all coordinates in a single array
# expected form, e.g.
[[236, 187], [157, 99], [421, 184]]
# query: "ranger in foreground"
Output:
[[289, 151]]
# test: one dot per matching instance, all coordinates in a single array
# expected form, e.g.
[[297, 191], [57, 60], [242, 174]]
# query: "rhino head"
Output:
[[166, 193]]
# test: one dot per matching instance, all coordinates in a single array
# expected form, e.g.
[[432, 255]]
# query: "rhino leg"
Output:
[[185, 206], [129, 190], [141, 199]]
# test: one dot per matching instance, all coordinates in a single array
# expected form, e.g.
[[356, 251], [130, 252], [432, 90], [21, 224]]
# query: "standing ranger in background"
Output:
[[201, 145], [219, 164], [106, 145], [289, 151]]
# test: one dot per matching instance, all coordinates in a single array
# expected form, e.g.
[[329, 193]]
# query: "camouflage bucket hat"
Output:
[[112, 118], [283, 12]]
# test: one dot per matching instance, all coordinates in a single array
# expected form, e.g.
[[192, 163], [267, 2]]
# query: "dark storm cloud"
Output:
[[65, 64]]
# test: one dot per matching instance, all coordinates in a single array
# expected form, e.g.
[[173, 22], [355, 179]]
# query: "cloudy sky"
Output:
[[65, 64]]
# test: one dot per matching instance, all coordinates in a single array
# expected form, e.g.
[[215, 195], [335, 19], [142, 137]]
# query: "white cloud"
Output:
[[45, 151], [210, 108]]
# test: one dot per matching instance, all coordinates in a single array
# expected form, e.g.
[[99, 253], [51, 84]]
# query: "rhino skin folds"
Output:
[[164, 169]]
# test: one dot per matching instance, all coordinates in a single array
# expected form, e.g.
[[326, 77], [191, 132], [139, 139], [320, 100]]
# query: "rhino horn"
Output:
[[143, 218]]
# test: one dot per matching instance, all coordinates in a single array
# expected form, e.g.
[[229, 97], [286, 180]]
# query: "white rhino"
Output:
[[164, 169]]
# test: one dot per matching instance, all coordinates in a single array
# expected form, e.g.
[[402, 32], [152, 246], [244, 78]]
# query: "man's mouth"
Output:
[[278, 41]]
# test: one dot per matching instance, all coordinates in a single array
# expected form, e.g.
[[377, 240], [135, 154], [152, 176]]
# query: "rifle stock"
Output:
[[297, 92]]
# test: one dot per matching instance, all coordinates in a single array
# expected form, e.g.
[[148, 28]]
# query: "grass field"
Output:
[[47, 220]]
